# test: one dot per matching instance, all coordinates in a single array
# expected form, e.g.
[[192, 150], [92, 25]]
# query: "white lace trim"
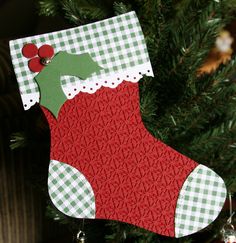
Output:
[[133, 74], [29, 99]]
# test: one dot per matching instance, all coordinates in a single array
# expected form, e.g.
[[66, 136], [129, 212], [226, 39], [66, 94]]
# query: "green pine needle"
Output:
[[48, 7]]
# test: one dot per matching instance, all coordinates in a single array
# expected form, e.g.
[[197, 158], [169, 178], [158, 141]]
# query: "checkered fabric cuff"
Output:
[[117, 44], [69, 191], [200, 200]]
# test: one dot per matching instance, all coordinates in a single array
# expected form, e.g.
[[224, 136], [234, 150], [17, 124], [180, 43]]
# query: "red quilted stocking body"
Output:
[[135, 178], [104, 163]]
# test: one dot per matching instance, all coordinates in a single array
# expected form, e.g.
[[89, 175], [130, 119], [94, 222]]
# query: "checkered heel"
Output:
[[70, 191]]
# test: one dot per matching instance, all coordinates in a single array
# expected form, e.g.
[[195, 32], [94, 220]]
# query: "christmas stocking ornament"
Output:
[[104, 163]]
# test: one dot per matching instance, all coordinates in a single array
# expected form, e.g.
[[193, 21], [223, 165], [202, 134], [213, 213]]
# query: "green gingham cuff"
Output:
[[117, 44]]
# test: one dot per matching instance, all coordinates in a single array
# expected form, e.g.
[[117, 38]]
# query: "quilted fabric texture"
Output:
[[135, 178]]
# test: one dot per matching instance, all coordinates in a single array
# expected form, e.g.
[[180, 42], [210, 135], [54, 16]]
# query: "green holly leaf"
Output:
[[49, 79]]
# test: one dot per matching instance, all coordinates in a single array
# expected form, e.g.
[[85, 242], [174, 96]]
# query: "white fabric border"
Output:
[[133, 75]]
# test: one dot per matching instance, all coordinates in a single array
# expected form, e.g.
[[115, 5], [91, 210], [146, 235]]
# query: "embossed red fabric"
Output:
[[136, 178]]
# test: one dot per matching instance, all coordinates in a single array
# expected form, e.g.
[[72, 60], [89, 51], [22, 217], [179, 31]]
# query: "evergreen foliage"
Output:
[[194, 114]]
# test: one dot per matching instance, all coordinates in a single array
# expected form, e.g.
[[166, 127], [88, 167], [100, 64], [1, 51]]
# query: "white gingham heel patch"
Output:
[[69, 190]]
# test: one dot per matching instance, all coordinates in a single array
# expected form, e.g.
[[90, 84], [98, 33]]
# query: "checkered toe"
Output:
[[70, 191], [200, 201]]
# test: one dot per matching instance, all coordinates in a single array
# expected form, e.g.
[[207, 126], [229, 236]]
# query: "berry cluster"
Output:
[[39, 57]]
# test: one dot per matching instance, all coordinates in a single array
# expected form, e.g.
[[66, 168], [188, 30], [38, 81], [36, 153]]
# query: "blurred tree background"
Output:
[[190, 105]]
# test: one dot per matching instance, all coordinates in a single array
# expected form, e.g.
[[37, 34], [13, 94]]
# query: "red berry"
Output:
[[29, 50], [46, 51], [35, 65]]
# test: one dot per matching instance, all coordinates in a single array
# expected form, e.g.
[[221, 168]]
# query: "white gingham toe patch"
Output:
[[200, 201]]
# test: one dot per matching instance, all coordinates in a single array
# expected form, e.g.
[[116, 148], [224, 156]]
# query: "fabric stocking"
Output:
[[111, 167]]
